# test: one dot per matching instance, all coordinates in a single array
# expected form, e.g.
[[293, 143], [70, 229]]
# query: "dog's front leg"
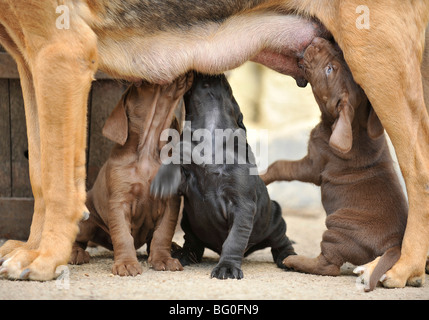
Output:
[[124, 252], [12, 247], [22, 252], [160, 247], [235, 245], [62, 75], [395, 80], [302, 170]]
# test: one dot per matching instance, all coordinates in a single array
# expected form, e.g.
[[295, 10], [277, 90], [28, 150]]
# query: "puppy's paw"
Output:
[[129, 268], [186, 256], [167, 264], [79, 256], [166, 181], [226, 271]]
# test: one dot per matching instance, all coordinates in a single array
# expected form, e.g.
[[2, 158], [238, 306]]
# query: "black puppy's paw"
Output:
[[186, 256], [166, 181], [226, 271], [280, 254]]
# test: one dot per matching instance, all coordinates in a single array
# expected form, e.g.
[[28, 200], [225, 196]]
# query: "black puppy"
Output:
[[226, 208]]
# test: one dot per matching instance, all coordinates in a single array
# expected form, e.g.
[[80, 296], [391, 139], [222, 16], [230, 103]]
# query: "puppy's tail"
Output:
[[387, 260]]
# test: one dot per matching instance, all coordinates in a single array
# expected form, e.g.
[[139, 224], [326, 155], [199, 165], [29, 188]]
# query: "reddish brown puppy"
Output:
[[123, 214], [349, 158]]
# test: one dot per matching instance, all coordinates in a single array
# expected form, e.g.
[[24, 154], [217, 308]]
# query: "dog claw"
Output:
[[85, 215], [3, 271], [25, 274], [359, 270]]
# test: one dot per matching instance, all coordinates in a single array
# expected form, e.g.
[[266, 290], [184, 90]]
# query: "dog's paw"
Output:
[[8, 247], [130, 268], [166, 181], [399, 277], [364, 274], [186, 257], [26, 264], [79, 256], [226, 271], [289, 263], [167, 264]]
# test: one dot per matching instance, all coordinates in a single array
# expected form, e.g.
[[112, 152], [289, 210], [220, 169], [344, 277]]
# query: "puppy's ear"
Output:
[[116, 126], [238, 113], [342, 135], [374, 127], [240, 122]]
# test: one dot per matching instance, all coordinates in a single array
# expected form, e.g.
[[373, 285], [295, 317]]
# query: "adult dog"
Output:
[[58, 49]]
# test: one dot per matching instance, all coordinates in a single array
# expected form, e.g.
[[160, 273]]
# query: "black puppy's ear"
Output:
[[237, 111], [374, 127], [342, 135], [240, 121], [116, 126]]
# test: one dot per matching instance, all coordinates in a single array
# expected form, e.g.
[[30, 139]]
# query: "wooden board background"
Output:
[[16, 202]]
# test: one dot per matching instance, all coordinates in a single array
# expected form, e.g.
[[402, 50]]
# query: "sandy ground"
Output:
[[288, 113], [262, 279]]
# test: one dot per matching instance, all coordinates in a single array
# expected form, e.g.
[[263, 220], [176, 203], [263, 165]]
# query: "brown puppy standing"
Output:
[[348, 157], [123, 214]]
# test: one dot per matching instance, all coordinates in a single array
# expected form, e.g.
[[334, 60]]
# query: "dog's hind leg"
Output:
[[319, 265], [13, 247], [63, 69], [62, 85], [337, 247]]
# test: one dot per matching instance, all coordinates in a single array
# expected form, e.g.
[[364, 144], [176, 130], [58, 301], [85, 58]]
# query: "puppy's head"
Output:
[[140, 104], [121, 119], [336, 93], [211, 97]]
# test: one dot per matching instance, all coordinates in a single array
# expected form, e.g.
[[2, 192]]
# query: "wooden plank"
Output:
[[8, 69], [20, 174], [16, 215], [105, 96], [5, 141]]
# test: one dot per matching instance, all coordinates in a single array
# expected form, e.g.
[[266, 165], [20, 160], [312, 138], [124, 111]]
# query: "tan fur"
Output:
[[56, 67]]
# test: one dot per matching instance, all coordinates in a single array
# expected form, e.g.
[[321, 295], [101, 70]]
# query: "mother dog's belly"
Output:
[[208, 48]]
